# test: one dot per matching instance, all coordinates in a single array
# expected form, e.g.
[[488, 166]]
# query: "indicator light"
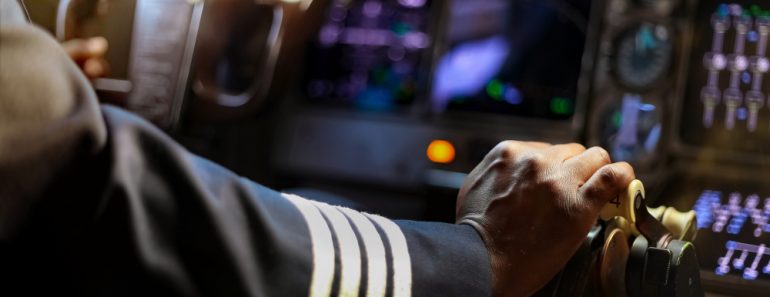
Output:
[[561, 105], [495, 89], [512, 95], [617, 119], [441, 151], [723, 10], [401, 28]]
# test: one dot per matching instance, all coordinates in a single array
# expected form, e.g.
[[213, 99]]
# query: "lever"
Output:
[[623, 205], [661, 262], [630, 206], [681, 224]]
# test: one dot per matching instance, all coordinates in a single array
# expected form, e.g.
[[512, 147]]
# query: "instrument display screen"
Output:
[[725, 106], [512, 57], [733, 239], [735, 227], [370, 54]]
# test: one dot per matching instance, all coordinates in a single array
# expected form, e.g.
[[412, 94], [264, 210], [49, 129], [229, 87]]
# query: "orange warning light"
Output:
[[441, 151]]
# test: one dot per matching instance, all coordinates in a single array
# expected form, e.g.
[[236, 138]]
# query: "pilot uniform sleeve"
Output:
[[194, 228], [98, 202]]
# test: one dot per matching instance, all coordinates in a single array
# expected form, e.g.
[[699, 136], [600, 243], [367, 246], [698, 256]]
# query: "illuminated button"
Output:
[[512, 95], [561, 106], [495, 89], [441, 151], [715, 61], [746, 77], [412, 3], [722, 270], [738, 62], [752, 36]]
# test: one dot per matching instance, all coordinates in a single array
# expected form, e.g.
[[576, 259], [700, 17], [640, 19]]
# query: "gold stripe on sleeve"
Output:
[[322, 247], [402, 265], [377, 268], [350, 254]]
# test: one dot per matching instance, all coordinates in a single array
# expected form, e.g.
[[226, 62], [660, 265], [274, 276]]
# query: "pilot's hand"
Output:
[[533, 204], [89, 55]]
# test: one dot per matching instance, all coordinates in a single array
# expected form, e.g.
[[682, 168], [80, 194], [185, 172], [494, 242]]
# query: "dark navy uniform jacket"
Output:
[[95, 201]]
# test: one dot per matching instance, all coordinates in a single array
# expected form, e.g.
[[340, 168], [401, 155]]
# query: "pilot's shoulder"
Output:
[[36, 78], [49, 119], [40, 86]]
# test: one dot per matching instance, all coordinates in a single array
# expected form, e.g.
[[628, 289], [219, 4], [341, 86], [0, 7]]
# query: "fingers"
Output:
[[562, 152], [95, 67], [584, 165], [607, 183], [84, 49], [89, 53], [510, 149], [537, 144], [522, 145]]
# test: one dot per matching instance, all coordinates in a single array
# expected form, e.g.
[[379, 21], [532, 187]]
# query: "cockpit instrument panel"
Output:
[[520, 58], [379, 55], [733, 241], [735, 224], [634, 78], [370, 55], [643, 55], [725, 106], [681, 91]]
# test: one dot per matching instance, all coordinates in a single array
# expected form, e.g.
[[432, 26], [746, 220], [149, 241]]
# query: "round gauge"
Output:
[[631, 130], [643, 56]]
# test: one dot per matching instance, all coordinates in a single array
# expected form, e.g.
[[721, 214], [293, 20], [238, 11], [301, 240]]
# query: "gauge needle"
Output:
[[645, 41]]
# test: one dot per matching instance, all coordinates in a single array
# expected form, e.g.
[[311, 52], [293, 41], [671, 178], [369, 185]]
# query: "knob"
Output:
[[623, 205], [681, 224]]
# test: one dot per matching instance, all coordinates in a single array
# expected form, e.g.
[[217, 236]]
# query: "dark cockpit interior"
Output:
[[385, 105]]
